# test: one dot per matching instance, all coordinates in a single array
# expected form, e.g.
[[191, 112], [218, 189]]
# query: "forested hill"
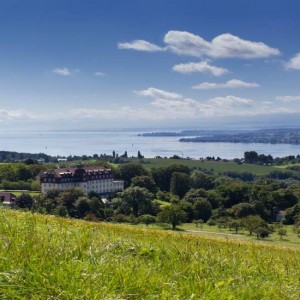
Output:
[[266, 136]]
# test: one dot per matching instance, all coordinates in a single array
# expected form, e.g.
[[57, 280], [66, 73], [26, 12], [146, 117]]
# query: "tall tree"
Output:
[[180, 184], [172, 214], [144, 182], [128, 171], [162, 176], [202, 209], [137, 200]]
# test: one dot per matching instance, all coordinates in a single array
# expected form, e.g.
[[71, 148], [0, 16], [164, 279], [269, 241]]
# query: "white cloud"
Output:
[[178, 106], [230, 84], [230, 101], [222, 46], [228, 45], [158, 94], [288, 99], [200, 67], [140, 45], [99, 74], [294, 63], [10, 115], [64, 71]]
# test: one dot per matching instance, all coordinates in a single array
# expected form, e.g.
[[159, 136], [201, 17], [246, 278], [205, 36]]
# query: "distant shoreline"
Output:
[[262, 136]]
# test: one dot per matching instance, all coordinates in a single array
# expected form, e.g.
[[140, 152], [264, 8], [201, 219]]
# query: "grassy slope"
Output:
[[44, 257]]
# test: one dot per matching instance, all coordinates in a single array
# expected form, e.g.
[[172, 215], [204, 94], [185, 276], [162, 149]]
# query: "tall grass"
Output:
[[44, 257]]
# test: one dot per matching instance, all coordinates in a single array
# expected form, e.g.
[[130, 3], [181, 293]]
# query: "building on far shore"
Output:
[[90, 178]]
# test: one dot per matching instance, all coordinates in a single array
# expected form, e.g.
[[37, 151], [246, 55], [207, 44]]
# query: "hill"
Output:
[[45, 257]]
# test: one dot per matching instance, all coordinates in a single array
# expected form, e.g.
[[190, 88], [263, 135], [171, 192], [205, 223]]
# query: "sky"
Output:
[[92, 65]]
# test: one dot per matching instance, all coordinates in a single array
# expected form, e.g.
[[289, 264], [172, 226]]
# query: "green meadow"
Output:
[[46, 257], [215, 166]]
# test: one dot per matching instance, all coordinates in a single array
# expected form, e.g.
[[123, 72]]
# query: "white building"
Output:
[[91, 178]]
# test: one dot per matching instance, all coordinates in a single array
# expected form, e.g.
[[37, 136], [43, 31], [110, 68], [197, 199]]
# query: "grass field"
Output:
[[44, 257], [215, 166], [20, 192]]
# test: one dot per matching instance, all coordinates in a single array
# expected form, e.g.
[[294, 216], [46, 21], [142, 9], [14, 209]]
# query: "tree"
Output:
[[261, 232], [60, 211], [162, 176], [251, 223], [233, 192], [24, 201], [136, 201], [250, 157], [97, 207], [242, 210], [83, 206], [284, 198], [128, 171], [30, 161], [180, 184], [235, 224], [125, 155], [144, 182], [200, 180], [187, 207], [147, 219], [68, 197], [292, 214], [282, 232], [139, 155], [172, 214], [202, 209], [194, 194]]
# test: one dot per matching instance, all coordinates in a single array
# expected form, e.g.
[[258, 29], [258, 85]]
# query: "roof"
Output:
[[73, 171]]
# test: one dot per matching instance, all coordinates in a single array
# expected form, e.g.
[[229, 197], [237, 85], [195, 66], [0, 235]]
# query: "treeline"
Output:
[[11, 156], [20, 176], [252, 157]]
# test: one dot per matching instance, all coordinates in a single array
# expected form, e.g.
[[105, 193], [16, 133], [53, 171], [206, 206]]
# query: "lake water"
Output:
[[89, 143]]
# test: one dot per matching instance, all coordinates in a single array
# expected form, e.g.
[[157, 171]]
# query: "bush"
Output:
[[262, 232], [211, 222]]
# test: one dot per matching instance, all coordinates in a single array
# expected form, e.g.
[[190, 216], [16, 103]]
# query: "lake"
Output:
[[66, 143]]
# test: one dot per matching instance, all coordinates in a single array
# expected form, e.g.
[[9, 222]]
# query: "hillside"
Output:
[[45, 257]]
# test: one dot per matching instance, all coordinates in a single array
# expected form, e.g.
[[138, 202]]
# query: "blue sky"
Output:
[[111, 64]]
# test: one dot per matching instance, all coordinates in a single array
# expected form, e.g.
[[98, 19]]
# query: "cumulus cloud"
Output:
[[288, 99], [200, 67], [222, 46], [140, 45], [64, 72], [230, 84], [294, 62]]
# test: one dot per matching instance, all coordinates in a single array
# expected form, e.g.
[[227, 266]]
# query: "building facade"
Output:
[[91, 178]]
